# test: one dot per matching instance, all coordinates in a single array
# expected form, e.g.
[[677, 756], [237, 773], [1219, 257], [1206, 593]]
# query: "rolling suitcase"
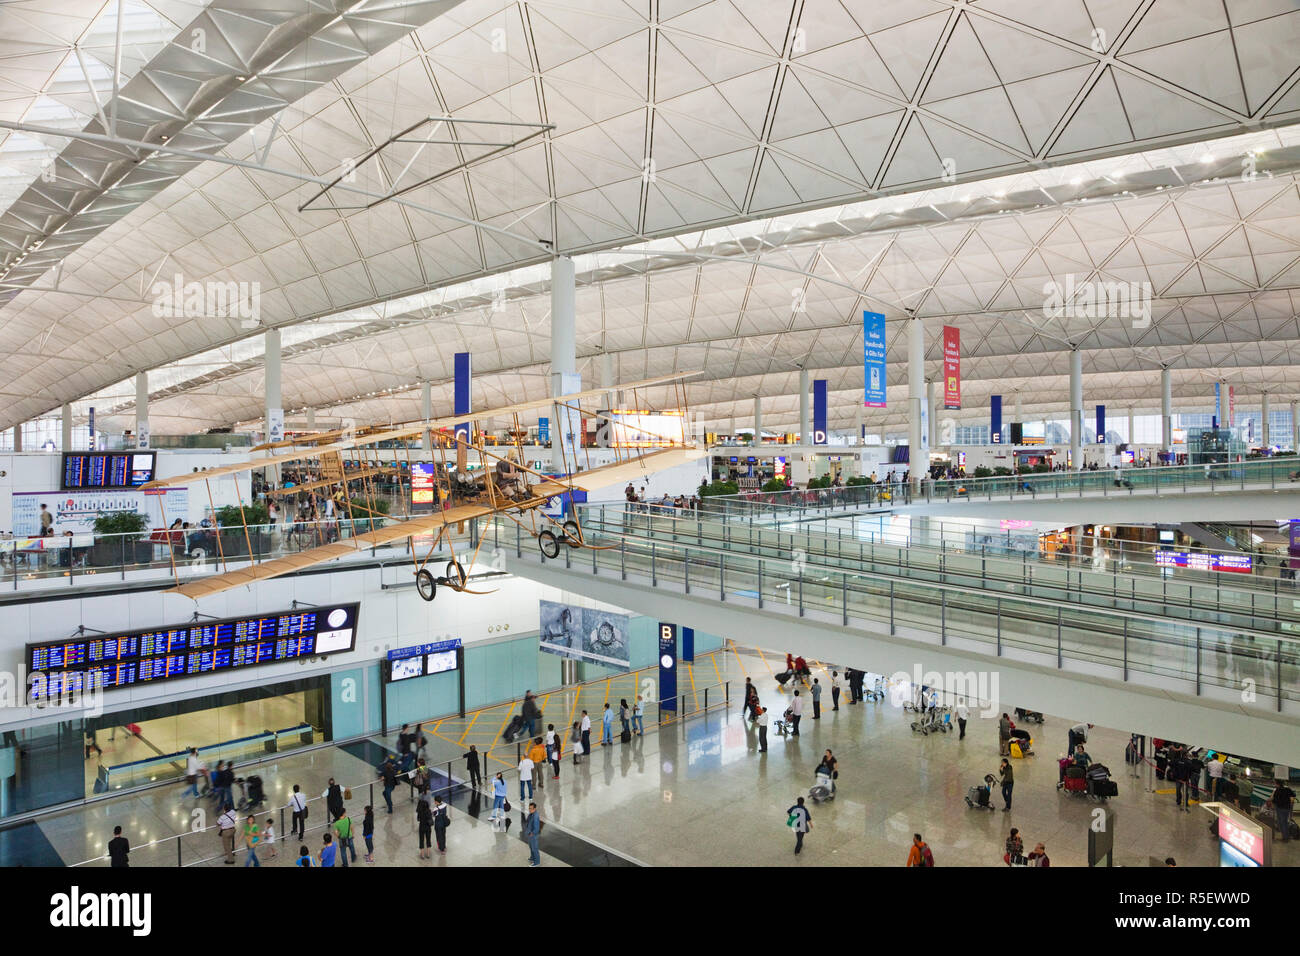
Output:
[[512, 730], [1076, 784], [626, 736]]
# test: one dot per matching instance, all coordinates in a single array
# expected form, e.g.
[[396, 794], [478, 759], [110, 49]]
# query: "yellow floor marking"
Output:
[[469, 727], [695, 697], [717, 670], [763, 658], [744, 672]]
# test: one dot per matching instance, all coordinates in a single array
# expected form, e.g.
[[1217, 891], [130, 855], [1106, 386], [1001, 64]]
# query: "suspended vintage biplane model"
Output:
[[346, 466]]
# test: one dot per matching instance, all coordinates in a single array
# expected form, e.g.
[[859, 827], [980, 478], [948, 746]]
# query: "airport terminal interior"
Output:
[[630, 433]]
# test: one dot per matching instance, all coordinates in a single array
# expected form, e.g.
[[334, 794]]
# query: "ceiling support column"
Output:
[[1076, 408], [565, 439], [274, 400]]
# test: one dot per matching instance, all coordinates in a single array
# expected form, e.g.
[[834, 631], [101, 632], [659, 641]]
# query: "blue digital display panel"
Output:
[[203, 647], [129, 469]]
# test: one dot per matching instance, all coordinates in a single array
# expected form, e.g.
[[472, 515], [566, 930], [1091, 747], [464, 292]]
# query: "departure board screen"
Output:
[[126, 469], [189, 650]]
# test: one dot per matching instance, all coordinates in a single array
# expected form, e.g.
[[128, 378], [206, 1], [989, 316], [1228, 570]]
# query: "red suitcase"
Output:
[[1062, 764], [1076, 784]]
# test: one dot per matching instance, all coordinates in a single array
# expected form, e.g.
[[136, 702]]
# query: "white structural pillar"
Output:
[[931, 417], [1263, 423], [1166, 409], [565, 439], [1076, 408], [1132, 435], [311, 418], [426, 412], [18, 438], [918, 449], [805, 437], [857, 423], [67, 426], [608, 381], [142, 409], [274, 400], [758, 421]]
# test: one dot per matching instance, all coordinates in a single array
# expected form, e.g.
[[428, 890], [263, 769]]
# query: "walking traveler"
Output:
[[1004, 735], [537, 754], [919, 854], [226, 830], [575, 738], [625, 719], [327, 849], [760, 715], [747, 698], [816, 699], [799, 820], [796, 714], [368, 833], [298, 805], [472, 766], [607, 720], [424, 824], [1283, 803], [962, 714], [346, 843], [388, 773], [118, 850], [835, 690], [533, 831], [498, 797], [440, 823], [1008, 778], [334, 800], [1015, 848], [252, 834], [586, 733], [525, 778]]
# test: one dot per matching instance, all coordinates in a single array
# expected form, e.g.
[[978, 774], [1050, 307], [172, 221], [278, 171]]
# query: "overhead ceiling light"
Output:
[[1076, 180], [1207, 157], [1117, 174]]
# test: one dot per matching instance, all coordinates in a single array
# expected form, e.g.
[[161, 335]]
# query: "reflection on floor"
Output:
[[169, 735], [699, 792]]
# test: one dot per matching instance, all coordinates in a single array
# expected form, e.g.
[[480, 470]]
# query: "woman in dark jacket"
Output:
[[625, 716], [424, 819], [1008, 782]]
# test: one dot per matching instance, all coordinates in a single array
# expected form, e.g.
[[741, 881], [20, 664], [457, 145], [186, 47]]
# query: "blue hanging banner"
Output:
[[1101, 424], [461, 394], [543, 430], [873, 358], [995, 419], [688, 644], [819, 411], [667, 667]]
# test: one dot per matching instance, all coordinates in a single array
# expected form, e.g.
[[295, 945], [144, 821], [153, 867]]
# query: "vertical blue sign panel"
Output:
[[667, 666], [461, 395], [688, 644], [819, 411], [995, 419], [543, 430], [1101, 424], [873, 358]]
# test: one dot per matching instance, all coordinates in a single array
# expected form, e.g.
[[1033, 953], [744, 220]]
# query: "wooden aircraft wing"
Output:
[[289, 564], [412, 431]]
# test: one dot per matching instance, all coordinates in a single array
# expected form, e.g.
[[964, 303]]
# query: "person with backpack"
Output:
[[440, 823], [1283, 802], [346, 844], [333, 799], [304, 856], [919, 854], [798, 819]]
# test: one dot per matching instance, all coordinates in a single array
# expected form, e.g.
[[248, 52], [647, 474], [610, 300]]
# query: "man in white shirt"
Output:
[[796, 714], [585, 727], [525, 778], [1214, 771], [226, 824], [962, 713], [298, 804], [193, 767]]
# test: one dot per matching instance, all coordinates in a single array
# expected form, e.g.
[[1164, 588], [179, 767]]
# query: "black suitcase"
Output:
[[513, 728], [1105, 788], [626, 736]]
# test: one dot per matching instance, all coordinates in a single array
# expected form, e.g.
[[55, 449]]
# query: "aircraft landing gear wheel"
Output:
[[572, 534], [455, 575], [549, 543], [425, 584]]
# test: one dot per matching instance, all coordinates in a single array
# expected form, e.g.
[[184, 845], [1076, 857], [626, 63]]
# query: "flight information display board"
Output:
[[189, 650], [1201, 561], [128, 469], [423, 484]]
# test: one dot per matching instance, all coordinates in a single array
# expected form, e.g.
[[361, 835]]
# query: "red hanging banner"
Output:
[[951, 367]]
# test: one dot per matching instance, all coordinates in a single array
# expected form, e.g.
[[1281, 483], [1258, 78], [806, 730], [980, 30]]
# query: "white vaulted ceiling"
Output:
[[673, 116]]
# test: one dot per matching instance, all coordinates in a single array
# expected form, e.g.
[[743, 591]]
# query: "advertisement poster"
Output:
[[422, 487], [584, 634], [76, 511], [951, 367], [873, 358]]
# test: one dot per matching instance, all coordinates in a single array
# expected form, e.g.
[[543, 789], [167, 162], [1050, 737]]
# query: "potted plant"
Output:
[[776, 484], [232, 520], [361, 510], [117, 539]]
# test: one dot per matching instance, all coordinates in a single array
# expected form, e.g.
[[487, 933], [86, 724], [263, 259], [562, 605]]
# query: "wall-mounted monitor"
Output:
[[124, 469]]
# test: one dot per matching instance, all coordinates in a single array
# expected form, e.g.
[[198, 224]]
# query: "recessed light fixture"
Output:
[[1207, 158]]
